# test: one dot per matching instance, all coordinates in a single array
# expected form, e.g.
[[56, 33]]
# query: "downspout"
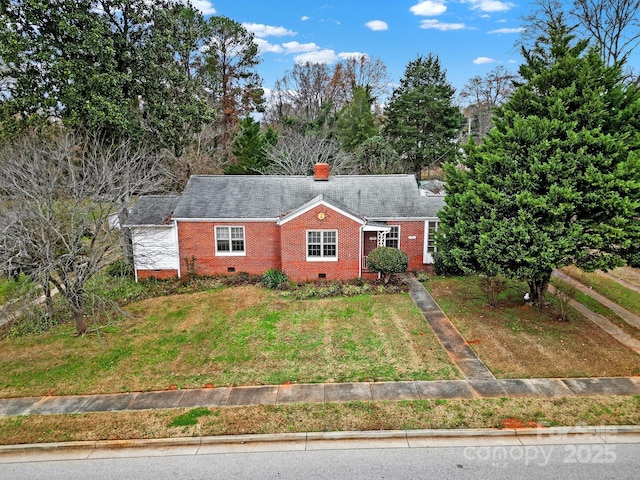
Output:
[[360, 251], [178, 249], [135, 267]]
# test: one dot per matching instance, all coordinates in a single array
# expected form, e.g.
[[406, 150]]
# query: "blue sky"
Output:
[[471, 37]]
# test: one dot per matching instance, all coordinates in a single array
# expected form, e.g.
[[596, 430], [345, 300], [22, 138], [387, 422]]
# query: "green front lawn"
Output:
[[231, 336], [516, 340], [623, 296]]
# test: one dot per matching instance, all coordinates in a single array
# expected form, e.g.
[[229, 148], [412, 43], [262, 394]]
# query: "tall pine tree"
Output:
[[422, 123], [556, 181]]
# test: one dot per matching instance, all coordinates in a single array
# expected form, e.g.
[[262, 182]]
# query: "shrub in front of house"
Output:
[[387, 261], [274, 279], [444, 265]]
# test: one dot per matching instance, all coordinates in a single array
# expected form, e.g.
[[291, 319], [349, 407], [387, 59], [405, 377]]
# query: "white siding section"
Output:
[[155, 248]]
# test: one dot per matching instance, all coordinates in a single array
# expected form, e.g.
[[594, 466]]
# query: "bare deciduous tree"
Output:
[[306, 92], [614, 25], [368, 73], [59, 197], [482, 95], [297, 153]]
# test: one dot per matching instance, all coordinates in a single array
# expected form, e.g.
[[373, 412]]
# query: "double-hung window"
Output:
[[230, 241], [322, 245], [432, 228], [393, 238]]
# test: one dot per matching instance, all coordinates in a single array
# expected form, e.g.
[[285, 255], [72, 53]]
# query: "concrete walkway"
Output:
[[631, 318], [479, 382], [621, 281], [477, 375], [317, 393]]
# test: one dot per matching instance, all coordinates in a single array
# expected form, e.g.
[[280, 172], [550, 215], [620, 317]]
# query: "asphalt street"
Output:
[[386, 461]]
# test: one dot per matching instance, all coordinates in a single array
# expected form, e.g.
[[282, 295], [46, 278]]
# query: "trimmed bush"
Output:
[[387, 261]]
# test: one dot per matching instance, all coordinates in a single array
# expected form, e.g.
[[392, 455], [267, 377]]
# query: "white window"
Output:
[[230, 241], [393, 238], [430, 229], [322, 245]]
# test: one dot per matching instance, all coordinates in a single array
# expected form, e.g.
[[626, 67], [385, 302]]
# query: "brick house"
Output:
[[309, 227]]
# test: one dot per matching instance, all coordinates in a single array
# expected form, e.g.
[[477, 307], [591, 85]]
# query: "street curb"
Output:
[[487, 433]]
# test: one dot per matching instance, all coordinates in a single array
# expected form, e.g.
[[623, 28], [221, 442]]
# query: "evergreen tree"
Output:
[[122, 67], [376, 157], [422, 123], [355, 121], [556, 181], [249, 147], [230, 74]]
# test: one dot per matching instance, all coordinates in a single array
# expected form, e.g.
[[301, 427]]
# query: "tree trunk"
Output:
[[538, 289], [77, 307], [125, 236], [48, 301]]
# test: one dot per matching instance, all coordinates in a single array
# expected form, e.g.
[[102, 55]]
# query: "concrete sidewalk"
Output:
[[317, 393]]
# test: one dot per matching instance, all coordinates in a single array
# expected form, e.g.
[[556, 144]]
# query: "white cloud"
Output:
[[322, 56], [345, 55], [204, 6], [490, 5], [295, 47], [503, 31], [377, 25], [304, 18], [260, 30], [429, 8], [483, 60], [438, 25], [264, 46]]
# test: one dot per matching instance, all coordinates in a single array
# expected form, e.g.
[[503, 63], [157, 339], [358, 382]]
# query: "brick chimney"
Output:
[[321, 172]]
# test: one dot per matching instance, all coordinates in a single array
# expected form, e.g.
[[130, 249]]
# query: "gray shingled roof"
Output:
[[153, 210], [249, 196], [432, 204]]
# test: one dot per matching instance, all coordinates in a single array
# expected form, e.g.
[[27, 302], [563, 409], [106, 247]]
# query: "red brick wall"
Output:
[[412, 247], [271, 246], [293, 236], [161, 274], [262, 246]]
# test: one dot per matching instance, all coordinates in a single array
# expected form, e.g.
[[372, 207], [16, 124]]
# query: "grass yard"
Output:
[[9, 287], [598, 308], [515, 340], [606, 287], [232, 336], [485, 413], [628, 274]]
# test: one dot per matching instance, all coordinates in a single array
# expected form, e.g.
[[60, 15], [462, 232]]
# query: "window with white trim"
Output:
[[322, 244], [230, 241], [393, 237], [432, 228]]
